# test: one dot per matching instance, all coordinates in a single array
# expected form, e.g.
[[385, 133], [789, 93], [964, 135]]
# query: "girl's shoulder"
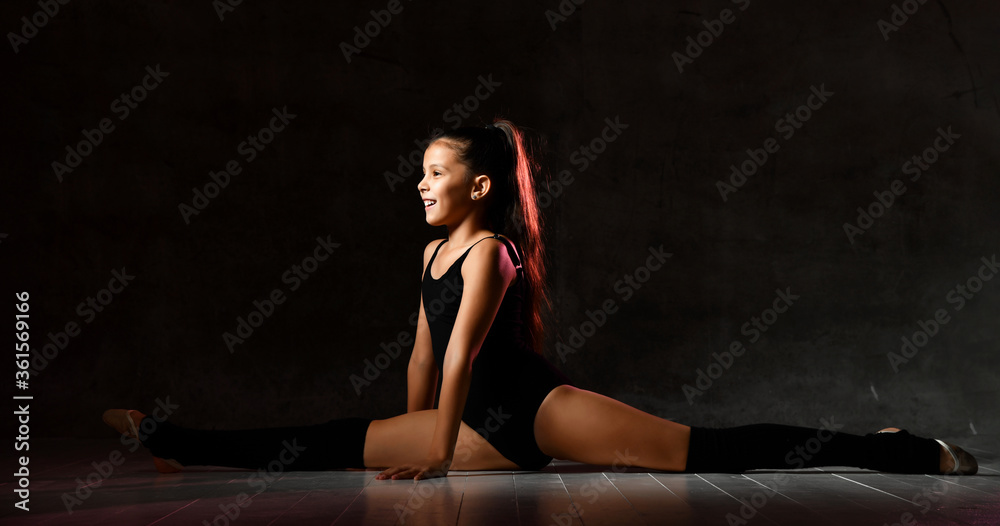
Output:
[[430, 248], [492, 255], [431, 245]]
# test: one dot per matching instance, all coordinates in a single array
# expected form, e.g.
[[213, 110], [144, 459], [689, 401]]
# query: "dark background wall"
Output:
[[656, 184]]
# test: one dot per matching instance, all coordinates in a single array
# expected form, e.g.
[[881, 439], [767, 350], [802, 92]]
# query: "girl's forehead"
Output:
[[440, 152]]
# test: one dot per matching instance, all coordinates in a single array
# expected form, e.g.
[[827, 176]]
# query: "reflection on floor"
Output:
[[77, 482]]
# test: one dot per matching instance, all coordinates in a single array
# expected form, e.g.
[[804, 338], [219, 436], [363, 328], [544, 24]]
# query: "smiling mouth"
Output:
[[429, 203]]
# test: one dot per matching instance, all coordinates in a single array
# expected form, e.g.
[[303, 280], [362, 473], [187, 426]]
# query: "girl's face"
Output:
[[444, 189]]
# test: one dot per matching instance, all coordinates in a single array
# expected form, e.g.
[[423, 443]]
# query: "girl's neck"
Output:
[[467, 232]]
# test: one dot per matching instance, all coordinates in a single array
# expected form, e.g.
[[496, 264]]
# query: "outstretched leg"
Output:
[[404, 438], [583, 426], [329, 445], [337, 444]]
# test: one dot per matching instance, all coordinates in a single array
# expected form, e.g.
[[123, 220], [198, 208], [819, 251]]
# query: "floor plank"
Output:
[[490, 499], [770, 498], [562, 494], [654, 503], [707, 503], [325, 504], [542, 498], [597, 500]]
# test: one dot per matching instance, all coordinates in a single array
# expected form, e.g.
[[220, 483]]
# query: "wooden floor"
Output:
[[77, 482]]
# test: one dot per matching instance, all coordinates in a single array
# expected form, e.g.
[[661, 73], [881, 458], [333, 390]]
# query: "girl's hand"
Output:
[[417, 471]]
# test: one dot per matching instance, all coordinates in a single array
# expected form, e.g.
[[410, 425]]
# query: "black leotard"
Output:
[[509, 379]]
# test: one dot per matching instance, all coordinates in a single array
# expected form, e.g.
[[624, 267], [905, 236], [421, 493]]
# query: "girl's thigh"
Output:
[[407, 438], [583, 426]]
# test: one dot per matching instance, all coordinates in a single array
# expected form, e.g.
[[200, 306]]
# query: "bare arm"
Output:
[[487, 272], [422, 371]]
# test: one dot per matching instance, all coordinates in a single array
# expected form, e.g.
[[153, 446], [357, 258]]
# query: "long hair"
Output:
[[501, 151]]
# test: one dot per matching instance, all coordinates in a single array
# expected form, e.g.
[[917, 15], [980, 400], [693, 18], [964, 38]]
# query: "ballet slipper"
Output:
[[961, 462], [124, 421]]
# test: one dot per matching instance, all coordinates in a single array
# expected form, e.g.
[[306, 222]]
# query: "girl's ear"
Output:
[[480, 186]]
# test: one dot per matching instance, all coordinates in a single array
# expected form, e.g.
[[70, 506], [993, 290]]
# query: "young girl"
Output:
[[502, 406]]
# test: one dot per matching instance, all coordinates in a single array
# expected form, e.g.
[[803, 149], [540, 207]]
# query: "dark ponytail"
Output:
[[501, 151]]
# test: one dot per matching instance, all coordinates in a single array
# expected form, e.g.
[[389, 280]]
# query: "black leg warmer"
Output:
[[337, 444], [775, 446]]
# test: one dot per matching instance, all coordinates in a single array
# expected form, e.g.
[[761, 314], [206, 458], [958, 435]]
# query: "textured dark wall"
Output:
[[607, 79]]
